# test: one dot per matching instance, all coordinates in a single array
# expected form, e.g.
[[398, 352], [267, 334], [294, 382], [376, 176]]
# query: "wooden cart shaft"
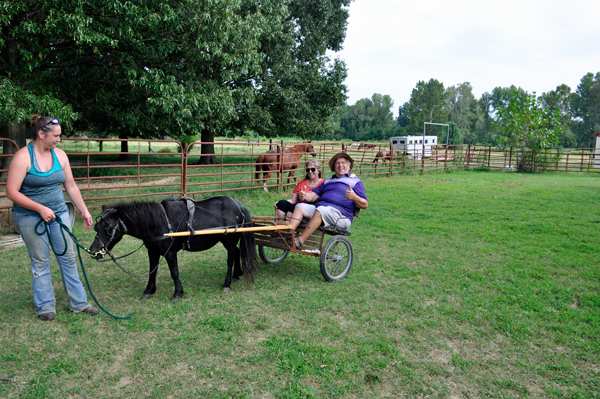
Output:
[[272, 227]]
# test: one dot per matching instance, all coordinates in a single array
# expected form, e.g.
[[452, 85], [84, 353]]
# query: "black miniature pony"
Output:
[[149, 221]]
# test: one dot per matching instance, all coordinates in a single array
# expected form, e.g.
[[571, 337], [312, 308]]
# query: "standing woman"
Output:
[[34, 185]]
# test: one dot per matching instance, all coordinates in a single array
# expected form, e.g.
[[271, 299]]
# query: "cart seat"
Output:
[[334, 231], [331, 230]]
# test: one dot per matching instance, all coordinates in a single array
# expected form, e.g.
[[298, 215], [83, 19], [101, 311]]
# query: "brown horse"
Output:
[[366, 146], [268, 162], [384, 155]]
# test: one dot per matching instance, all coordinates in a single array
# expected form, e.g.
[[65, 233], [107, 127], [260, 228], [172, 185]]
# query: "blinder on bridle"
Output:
[[111, 230]]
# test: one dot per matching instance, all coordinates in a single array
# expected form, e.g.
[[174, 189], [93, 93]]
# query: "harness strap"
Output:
[[191, 209], [166, 218], [123, 225], [160, 238]]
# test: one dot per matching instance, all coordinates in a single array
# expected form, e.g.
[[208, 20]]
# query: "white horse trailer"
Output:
[[414, 146]]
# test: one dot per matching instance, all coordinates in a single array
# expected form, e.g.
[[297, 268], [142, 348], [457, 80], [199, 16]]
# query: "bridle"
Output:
[[112, 232]]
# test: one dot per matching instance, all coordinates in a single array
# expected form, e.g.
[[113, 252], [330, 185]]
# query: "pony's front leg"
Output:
[[231, 252], [171, 258], [153, 258]]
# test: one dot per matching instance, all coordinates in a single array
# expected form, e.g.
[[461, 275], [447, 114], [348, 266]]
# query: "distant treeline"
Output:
[[471, 120]]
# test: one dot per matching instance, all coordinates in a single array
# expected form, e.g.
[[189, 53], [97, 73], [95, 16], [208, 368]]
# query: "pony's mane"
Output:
[[141, 215]]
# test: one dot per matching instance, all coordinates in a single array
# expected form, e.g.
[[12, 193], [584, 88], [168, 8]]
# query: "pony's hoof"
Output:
[[234, 279], [225, 290], [145, 297], [176, 299]]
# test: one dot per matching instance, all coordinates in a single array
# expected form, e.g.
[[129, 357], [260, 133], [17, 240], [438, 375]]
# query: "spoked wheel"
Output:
[[337, 256], [272, 255]]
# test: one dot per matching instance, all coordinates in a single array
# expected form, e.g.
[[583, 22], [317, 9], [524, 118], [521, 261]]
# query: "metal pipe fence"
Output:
[[159, 168]]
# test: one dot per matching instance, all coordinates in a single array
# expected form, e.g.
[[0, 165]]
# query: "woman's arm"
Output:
[[72, 188]]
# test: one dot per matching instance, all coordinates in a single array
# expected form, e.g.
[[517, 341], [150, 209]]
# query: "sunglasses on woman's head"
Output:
[[53, 121], [311, 170]]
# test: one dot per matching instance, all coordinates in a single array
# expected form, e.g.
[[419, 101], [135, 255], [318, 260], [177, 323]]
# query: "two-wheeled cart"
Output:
[[275, 243], [276, 240]]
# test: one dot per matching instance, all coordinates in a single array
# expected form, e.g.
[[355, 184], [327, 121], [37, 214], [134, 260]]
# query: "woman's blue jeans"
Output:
[[39, 252]]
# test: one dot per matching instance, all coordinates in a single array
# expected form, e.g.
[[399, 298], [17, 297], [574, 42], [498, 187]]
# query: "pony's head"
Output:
[[109, 231]]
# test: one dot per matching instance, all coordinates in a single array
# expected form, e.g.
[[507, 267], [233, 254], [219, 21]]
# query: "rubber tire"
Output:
[[272, 255], [337, 256]]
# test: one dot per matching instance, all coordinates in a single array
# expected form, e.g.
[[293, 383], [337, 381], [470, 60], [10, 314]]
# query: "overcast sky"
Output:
[[391, 44]]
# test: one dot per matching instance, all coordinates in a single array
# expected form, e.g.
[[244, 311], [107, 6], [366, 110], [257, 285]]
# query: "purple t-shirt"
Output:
[[332, 192]]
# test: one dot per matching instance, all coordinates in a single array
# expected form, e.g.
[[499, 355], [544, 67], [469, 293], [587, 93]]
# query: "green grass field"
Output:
[[464, 285]]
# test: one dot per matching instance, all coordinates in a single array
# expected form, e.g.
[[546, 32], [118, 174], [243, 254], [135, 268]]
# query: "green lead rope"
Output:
[[62, 231]]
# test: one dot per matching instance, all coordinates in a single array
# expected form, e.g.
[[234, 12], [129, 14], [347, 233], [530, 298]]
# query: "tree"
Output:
[[461, 107], [525, 123], [560, 100], [403, 119], [501, 96], [369, 119], [427, 102], [483, 124], [300, 86], [585, 106], [181, 67], [16, 108]]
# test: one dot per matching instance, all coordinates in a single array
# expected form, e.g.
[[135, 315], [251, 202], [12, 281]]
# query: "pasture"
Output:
[[464, 285]]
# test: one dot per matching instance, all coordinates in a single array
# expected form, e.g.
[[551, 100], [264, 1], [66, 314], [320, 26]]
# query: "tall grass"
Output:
[[466, 284]]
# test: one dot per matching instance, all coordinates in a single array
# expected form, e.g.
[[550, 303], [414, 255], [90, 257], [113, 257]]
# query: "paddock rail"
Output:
[[103, 170]]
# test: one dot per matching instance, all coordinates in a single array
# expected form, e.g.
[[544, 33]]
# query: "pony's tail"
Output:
[[248, 250]]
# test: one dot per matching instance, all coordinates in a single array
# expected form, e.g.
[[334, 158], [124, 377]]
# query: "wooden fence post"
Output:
[[468, 155]]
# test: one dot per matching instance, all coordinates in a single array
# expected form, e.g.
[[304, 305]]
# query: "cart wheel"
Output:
[[337, 256], [272, 255]]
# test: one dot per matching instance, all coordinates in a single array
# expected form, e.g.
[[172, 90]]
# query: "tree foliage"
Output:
[[427, 104], [462, 110], [180, 67], [585, 107], [560, 100], [368, 119], [527, 124]]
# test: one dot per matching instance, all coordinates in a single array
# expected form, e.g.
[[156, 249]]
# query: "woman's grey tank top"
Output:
[[43, 187]]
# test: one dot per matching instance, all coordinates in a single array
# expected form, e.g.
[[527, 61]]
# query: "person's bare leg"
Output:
[[280, 215], [312, 225], [297, 217]]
